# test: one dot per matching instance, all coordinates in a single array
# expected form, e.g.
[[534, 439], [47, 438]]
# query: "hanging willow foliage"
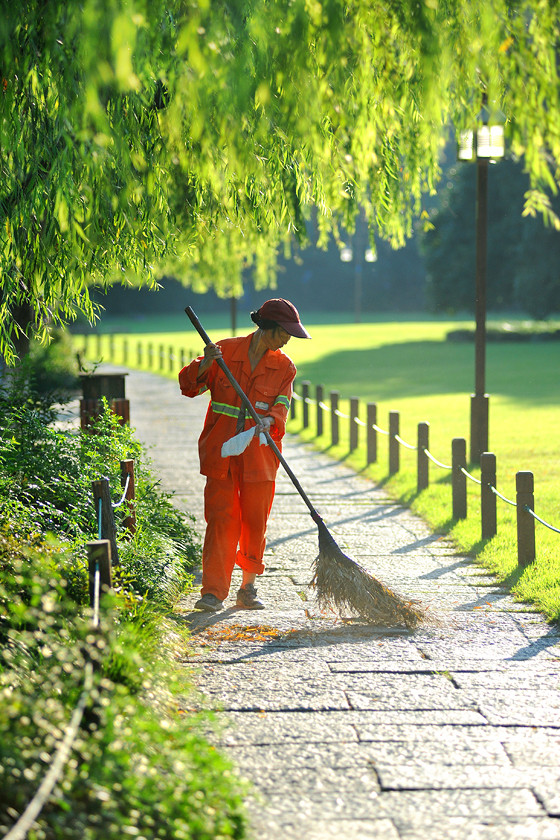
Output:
[[146, 135]]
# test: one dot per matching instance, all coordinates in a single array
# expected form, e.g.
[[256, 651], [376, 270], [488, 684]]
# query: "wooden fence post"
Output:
[[127, 471], [125, 351], [99, 345], [111, 346], [139, 353], [99, 557], [305, 405], [371, 419], [121, 407], [335, 436], [183, 361], [423, 462], [319, 396], [293, 410], [150, 355], [394, 449], [524, 483], [101, 494], [459, 479], [161, 355], [171, 359], [488, 526], [354, 411]]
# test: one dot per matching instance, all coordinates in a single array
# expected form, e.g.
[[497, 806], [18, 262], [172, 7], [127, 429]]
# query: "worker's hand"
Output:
[[211, 353], [264, 424]]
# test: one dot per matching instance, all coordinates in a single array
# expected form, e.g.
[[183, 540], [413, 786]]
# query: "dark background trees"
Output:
[[523, 252]]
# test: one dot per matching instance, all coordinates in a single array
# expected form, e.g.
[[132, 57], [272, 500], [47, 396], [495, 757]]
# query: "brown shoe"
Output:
[[247, 598]]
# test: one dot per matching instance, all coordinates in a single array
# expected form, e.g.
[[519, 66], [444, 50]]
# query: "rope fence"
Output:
[[524, 501], [100, 563]]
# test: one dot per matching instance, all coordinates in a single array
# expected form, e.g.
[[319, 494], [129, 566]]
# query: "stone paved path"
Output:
[[352, 731]]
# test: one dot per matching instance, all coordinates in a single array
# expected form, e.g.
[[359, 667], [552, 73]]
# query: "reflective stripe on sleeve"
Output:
[[224, 408], [282, 400]]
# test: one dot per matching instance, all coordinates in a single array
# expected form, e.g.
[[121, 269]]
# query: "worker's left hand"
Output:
[[264, 424]]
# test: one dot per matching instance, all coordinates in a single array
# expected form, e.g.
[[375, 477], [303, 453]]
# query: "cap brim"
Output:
[[294, 328]]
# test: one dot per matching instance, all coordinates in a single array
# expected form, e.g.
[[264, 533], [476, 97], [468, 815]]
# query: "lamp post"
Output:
[[349, 254], [485, 145]]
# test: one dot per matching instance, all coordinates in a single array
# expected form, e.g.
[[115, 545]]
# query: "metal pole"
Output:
[[479, 400]]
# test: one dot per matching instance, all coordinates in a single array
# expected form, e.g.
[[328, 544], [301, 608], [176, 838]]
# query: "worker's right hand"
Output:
[[211, 353]]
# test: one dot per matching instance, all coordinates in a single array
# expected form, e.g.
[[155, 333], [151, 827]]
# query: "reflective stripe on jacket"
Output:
[[269, 388]]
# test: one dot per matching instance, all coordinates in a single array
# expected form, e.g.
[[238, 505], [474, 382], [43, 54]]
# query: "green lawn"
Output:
[[407, 366]]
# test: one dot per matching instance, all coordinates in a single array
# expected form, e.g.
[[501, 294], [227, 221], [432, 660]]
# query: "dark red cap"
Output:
[[285, 315]]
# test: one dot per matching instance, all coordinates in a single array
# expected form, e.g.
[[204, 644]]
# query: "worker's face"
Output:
[[277, 338]]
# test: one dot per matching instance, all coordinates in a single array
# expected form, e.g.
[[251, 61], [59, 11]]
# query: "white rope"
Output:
[[404, 443], [472, 478], [435, 461]]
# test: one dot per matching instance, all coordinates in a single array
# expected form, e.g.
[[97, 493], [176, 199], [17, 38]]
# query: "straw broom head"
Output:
[[343, 584]]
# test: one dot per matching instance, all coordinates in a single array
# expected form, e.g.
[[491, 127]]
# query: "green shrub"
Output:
[[46, 476], [139, 765]]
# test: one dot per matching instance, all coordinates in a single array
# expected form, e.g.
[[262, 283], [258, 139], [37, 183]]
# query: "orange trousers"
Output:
[[236, 513]]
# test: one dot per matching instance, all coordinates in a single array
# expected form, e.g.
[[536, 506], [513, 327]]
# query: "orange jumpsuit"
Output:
[[239, 489]]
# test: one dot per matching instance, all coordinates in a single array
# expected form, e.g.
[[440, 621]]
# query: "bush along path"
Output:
[[92, 740], [351, 730]]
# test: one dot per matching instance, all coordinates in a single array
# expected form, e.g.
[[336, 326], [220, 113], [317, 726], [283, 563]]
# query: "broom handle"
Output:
[[249, 406]]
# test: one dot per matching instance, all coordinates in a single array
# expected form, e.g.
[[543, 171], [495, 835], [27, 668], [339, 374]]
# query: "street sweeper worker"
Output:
[[240, 487]]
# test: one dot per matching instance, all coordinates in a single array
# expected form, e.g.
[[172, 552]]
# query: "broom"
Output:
[[340, 581]]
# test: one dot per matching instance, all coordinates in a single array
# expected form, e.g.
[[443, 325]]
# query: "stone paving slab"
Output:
[[349, 730]]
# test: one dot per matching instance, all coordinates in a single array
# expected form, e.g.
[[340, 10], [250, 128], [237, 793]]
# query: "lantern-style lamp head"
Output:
[[346, 254], [488, 139]]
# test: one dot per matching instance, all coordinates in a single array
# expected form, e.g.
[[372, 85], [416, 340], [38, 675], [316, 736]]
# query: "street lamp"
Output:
[[354, 254], [484, 145]]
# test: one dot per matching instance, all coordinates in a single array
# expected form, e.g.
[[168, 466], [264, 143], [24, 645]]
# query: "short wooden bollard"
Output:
[[459, 479], [371, 421], [90, 411], [125, 351], [488, 519], [354, 430], [121, 407], [422, 461], [394, 449], [161, 355], [103, 505], [183, 360], [319, 397], [150, 355], [170, 360], [335, 434], [139, 354], [305, 404], [524, 483], [127, 473], [99, 560]]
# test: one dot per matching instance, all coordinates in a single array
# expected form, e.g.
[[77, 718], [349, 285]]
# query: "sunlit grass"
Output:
[[407, 366]]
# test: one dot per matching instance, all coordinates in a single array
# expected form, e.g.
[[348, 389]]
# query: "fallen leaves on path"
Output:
[[238, 633]]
